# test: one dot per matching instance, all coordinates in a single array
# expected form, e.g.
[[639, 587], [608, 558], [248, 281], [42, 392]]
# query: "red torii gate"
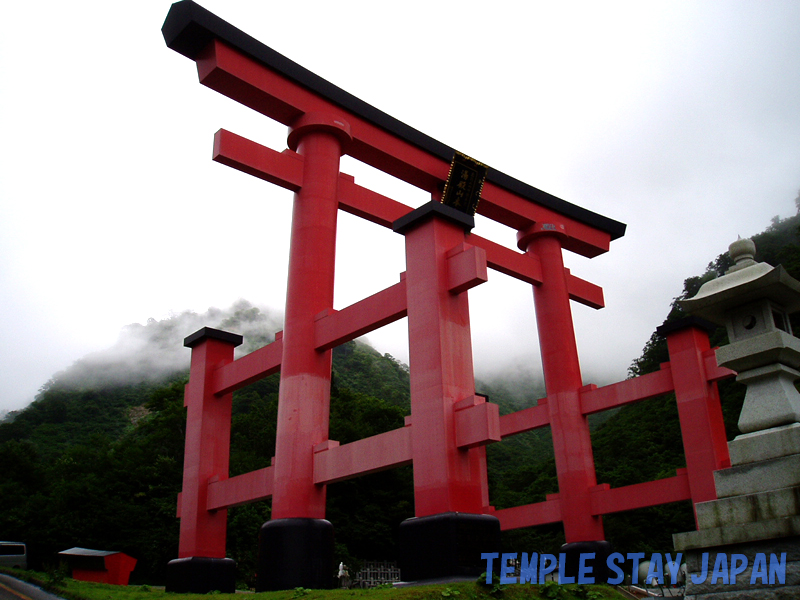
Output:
[[449, 426]]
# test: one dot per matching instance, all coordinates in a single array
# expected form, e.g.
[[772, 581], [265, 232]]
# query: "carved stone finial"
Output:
[[743, 253]]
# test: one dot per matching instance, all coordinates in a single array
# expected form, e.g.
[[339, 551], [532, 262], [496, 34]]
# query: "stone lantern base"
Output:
[[758, 512]]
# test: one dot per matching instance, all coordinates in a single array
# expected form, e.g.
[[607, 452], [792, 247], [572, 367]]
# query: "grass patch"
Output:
[[82, 590]]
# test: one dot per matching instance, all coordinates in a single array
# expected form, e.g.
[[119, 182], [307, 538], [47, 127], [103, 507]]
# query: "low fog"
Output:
[[155, 350]]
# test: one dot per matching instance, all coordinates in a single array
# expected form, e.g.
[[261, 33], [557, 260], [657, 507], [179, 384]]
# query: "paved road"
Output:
[[14, 589]]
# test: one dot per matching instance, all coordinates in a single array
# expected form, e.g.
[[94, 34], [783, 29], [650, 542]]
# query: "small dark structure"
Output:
[[99, 566]]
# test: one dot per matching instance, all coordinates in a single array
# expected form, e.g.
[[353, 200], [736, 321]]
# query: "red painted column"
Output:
[[208, 429], [705, 443], [446, 479], [562, 374], [304, 398]]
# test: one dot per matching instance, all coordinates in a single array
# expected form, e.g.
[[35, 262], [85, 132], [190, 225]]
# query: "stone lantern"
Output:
[[753, 301], [757, 511]]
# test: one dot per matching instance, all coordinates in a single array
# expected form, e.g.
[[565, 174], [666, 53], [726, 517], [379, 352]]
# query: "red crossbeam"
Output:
[[595, 399], [477, 422], [606, 500], [245, 80], [284, 169], [373, 312], [509, 262], [371, 206], [529, 515], [584, 292], [524, 420], [370, 455], [242, 489], [713, 371], [250, 368]]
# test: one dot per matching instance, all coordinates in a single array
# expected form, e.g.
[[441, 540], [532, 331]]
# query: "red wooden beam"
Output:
[[370, 455], [524, 420], [284, 169], [242, 489], [529, 515], [509, 262], [594, 399], [584, 292], [371, 206], [466, 268], [477, 422], [713, 371], [606, 500], [250, 368], [373, 312]]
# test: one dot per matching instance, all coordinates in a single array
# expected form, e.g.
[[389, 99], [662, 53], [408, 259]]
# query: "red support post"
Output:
[[304, 397], [296, 546], [705, 443], [208, 429], [446, 479], [201, 562], [570, 428], [450, 483]]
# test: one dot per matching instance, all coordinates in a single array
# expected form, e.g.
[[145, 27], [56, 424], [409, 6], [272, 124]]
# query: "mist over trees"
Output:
[[96, 460], [154, 351]]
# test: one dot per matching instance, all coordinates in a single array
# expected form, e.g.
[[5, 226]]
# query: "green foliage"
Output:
[[449, 592], [495, 588], [61, 417], [581, 591], [552, 589], [54, 577], [557, 591], [361, 369]]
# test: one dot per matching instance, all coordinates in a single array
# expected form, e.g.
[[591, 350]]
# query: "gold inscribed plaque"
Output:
[[462, 190]]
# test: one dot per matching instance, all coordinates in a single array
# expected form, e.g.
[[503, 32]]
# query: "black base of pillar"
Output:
[[295, 553], [598, 564], [198, 575], [446, 545]]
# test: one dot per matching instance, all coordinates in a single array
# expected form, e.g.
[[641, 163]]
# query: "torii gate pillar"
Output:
[[448, 533], [296, 545], [201, 564], [572, 443]]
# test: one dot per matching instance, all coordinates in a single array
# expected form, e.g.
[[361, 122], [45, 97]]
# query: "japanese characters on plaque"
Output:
[[462, 190]]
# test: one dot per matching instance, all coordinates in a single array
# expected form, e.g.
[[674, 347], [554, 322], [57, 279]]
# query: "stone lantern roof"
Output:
[[746, 281]]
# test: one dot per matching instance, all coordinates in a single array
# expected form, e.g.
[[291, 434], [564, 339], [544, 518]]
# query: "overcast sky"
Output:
[[681, 119]]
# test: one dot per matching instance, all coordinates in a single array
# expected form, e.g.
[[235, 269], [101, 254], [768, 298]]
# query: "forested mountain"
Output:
[[96, 459]]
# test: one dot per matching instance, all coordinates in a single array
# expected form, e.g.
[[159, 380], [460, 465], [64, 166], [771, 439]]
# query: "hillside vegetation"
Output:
[[96, 459]]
